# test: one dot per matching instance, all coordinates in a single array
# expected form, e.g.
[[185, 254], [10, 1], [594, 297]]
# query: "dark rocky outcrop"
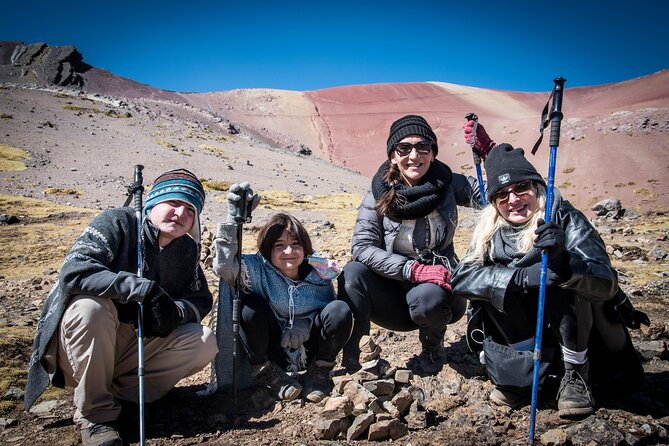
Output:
[[39, 63]]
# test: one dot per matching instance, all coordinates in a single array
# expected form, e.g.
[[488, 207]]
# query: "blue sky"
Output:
[[220, 45]]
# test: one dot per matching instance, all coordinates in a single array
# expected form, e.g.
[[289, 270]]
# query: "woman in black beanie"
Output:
[[501, 273], [402, 245]]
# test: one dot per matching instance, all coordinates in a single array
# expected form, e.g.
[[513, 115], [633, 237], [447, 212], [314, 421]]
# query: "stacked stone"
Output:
[[207, 248], [376, 403]]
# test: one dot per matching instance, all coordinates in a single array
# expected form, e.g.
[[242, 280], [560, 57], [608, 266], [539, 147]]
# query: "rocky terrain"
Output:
[[67, 150]]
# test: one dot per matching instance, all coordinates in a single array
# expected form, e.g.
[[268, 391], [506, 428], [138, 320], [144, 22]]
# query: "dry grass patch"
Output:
[[81, 109], [11, 157], [42, 238], [61, 191], [216, 185], [169, 145]]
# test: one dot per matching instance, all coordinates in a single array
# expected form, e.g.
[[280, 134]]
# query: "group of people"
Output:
[[295, 320]]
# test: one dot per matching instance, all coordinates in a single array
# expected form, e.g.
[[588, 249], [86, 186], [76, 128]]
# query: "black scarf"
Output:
[[506, 248], [419, 200]]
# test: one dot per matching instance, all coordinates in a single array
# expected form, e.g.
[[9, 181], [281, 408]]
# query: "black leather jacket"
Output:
[[593, 278]]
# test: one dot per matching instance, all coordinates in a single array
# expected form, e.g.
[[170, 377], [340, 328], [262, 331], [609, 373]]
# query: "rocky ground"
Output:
[[80, 161]]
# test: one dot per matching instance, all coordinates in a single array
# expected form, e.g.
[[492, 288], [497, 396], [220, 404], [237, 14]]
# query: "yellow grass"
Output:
[[41, 239], [10, 158]]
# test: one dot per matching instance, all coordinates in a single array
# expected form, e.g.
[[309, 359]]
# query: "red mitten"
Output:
[[437, 274], [482, 142]]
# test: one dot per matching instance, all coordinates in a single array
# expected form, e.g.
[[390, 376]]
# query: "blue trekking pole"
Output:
[[555, 121], [138, 189], [477, 157]]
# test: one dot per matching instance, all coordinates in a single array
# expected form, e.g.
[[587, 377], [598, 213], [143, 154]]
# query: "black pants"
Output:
[[261, 332], [397, 305], [569, 317]]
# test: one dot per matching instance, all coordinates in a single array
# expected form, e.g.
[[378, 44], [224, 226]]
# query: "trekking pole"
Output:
[[138, 190], [555, 120], [477, 157], [243, 216]]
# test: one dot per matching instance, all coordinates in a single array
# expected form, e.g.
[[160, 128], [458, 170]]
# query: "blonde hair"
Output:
[[481, 245]]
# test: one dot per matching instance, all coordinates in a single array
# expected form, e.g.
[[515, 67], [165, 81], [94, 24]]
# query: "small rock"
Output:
[[403, 376], [359, 426], [554, 437], [380, 386], [7, 422], [330, 429], [656, 253], [402, 401], [651, 349], [337, 407], [14, 393], [46, 407]]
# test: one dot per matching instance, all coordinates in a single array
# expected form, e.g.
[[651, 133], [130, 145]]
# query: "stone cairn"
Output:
[[376, 403]]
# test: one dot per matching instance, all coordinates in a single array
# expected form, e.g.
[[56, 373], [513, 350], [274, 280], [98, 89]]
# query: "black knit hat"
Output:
[[505, 165], [411, 125]]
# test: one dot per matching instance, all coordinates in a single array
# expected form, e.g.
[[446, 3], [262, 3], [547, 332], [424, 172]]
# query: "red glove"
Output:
[[482, 142], [437, 274]]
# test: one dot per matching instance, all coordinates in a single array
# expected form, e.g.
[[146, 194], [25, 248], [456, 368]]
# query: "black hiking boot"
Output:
[[317, 381], [575, 396]]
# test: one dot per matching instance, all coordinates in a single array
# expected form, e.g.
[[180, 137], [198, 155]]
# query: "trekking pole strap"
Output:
[[554, 117]]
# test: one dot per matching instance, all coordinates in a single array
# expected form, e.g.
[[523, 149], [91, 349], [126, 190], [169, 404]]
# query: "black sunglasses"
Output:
[[405, 148], [518, 189]]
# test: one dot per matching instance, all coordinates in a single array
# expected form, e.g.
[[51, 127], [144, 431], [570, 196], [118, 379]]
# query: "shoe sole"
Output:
[[575, 412]]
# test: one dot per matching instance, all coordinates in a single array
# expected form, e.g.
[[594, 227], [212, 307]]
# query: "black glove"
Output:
[[620, 309], [551, 237], [161, 314], [530, 277]]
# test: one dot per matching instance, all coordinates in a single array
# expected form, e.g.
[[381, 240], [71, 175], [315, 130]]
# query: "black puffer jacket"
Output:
[[374, 235], [593, 278], [103, 262]]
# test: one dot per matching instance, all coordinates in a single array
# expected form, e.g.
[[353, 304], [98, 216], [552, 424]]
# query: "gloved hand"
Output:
[[482, 142], [620, 309], [297, 335], [551, 236], [241, 202], [161, 314], [436, 274], [530, 277]]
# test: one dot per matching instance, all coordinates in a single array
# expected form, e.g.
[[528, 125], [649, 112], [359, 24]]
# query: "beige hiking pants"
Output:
[[98, 356]]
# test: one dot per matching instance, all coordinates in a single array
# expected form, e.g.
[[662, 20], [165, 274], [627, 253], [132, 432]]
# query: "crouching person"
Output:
[[501, 276], [291, 319], [86, 337]]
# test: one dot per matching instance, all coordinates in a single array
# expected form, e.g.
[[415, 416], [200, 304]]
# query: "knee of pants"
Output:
[[336, 317], [202, 350], [91, 311], [353, 285], [430, 305], [210, 348]]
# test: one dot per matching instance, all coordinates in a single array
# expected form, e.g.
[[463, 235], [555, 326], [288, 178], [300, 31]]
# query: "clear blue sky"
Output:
[[193, 45]]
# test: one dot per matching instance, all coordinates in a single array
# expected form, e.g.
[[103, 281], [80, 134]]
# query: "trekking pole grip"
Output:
[[139, 188], [556, 112]]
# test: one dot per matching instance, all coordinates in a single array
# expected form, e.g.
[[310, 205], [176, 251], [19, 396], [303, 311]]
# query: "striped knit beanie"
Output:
[[411, 125], [182, 185]]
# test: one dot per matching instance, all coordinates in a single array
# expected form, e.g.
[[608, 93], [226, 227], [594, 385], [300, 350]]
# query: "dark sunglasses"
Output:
[[519, 189], [405, 148]]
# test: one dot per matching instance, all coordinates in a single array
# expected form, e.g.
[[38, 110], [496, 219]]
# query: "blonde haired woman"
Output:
[[501, 273]]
